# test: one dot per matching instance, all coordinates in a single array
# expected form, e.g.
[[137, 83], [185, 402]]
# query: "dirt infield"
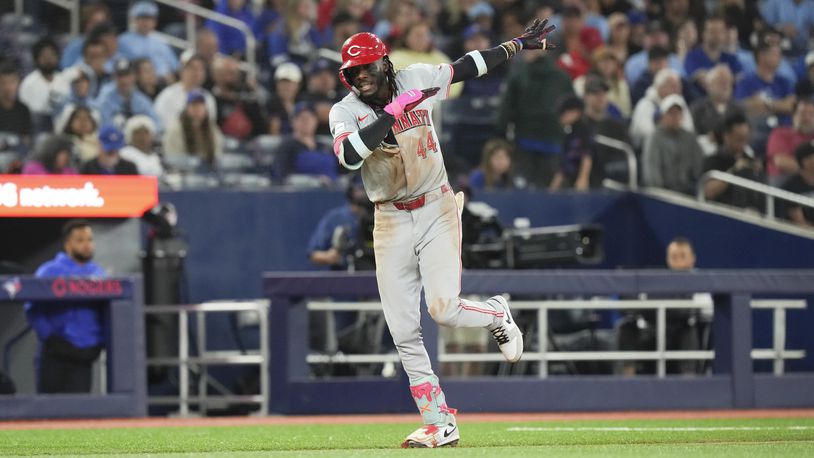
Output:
[[399, 418]]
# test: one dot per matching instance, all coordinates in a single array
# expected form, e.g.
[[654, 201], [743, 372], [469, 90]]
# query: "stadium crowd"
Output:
[[692, 85]]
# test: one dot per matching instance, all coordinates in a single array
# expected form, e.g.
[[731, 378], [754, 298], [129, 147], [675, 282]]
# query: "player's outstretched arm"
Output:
[[353, 148], [478, 63]]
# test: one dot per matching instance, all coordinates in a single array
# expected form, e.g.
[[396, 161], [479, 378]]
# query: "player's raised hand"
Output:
[[534, 37], [408, 100]]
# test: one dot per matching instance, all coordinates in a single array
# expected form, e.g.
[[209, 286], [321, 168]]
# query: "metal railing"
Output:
[[630, 157], [661, 355], [71, 5], [771, 193], [184, 361], [192, 10]]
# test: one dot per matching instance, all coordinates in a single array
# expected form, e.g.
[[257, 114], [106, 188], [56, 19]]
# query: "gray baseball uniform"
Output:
[[417, 232]]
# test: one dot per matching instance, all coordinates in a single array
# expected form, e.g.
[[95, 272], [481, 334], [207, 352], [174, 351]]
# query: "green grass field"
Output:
[[684, 438]]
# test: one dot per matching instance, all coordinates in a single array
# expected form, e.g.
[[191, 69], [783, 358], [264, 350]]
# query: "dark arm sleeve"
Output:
[[465, 68], [371, 135]]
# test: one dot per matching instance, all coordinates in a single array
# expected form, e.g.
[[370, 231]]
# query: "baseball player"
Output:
[[384, 127]]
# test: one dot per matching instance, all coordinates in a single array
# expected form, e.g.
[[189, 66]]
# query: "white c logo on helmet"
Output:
[[356, 52]]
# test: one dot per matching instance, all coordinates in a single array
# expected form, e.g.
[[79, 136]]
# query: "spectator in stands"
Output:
[[476, 38], [795, 18], [656, 61], [322, 91], [194, 133], [643, 123], [43, 86], [637, 64], [80, 123], [747, 57], [767, 96], [240, 113], [15, 117], [709, 111], [741, 16], [784, 140], [672, 157], [143, 41], [619, 39], [287, 79], [343, 26], [801, 183], [107, 34], [300, 153], [401, 15], [231, 41], [536, 128], [734, 156], [146, 79], [139, 133], [207, 46], [170, 102], [608, 68], [805, 85], [94, 56], [607, 161], [495, 170], [108, 161], [70, 335], [577, 41], [92, 14], [578, 147], [686, 40], [121, 99], [78, 79], [295, 38], [52, 156], [710, 53]]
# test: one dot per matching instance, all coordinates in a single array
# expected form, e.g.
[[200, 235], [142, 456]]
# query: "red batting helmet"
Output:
[[360, 49]]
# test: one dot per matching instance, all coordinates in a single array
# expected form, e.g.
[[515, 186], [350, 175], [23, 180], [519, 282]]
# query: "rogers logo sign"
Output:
[[45, 196], [62, 287]]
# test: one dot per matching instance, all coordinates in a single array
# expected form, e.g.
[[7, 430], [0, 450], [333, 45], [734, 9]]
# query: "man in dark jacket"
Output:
[[70, 335]]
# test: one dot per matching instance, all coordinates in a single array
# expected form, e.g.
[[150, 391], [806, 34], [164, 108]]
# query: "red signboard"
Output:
[[68, 196]]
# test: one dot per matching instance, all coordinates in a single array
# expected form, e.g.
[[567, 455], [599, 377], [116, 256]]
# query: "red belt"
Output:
[[418, 202]]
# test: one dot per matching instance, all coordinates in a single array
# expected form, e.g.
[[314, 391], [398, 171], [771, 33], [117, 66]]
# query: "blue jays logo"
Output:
[[12, 287]]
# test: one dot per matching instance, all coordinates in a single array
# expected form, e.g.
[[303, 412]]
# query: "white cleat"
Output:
[[507, 334], [432, 436]]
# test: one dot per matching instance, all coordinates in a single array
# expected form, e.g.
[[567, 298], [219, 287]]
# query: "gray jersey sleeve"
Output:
[[342, 123], [423, 76]]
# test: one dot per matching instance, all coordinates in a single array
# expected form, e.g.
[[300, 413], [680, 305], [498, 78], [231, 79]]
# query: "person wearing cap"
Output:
[[287, 79], [300, 153], [232, 42], [142, 41], [81, 124], [672, 158], [784, 140], [52, 156], [321, 91], [108, 161], [603, 119], [637, 64], [607, 68], [240, 106], [735, 156], [801, 183], [475, 38], [710, 52], [120, 100], [577, 161], [643, 122], [194, 133], [170, 102], [139, 132]]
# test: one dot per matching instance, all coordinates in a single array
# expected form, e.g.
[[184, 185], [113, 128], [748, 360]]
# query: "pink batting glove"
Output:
[[408, 100]]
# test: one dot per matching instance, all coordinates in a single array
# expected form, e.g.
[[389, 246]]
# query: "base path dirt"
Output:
[[163, 422]]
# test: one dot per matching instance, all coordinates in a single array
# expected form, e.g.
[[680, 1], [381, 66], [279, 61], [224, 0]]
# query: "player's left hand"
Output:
[[534, 37]]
